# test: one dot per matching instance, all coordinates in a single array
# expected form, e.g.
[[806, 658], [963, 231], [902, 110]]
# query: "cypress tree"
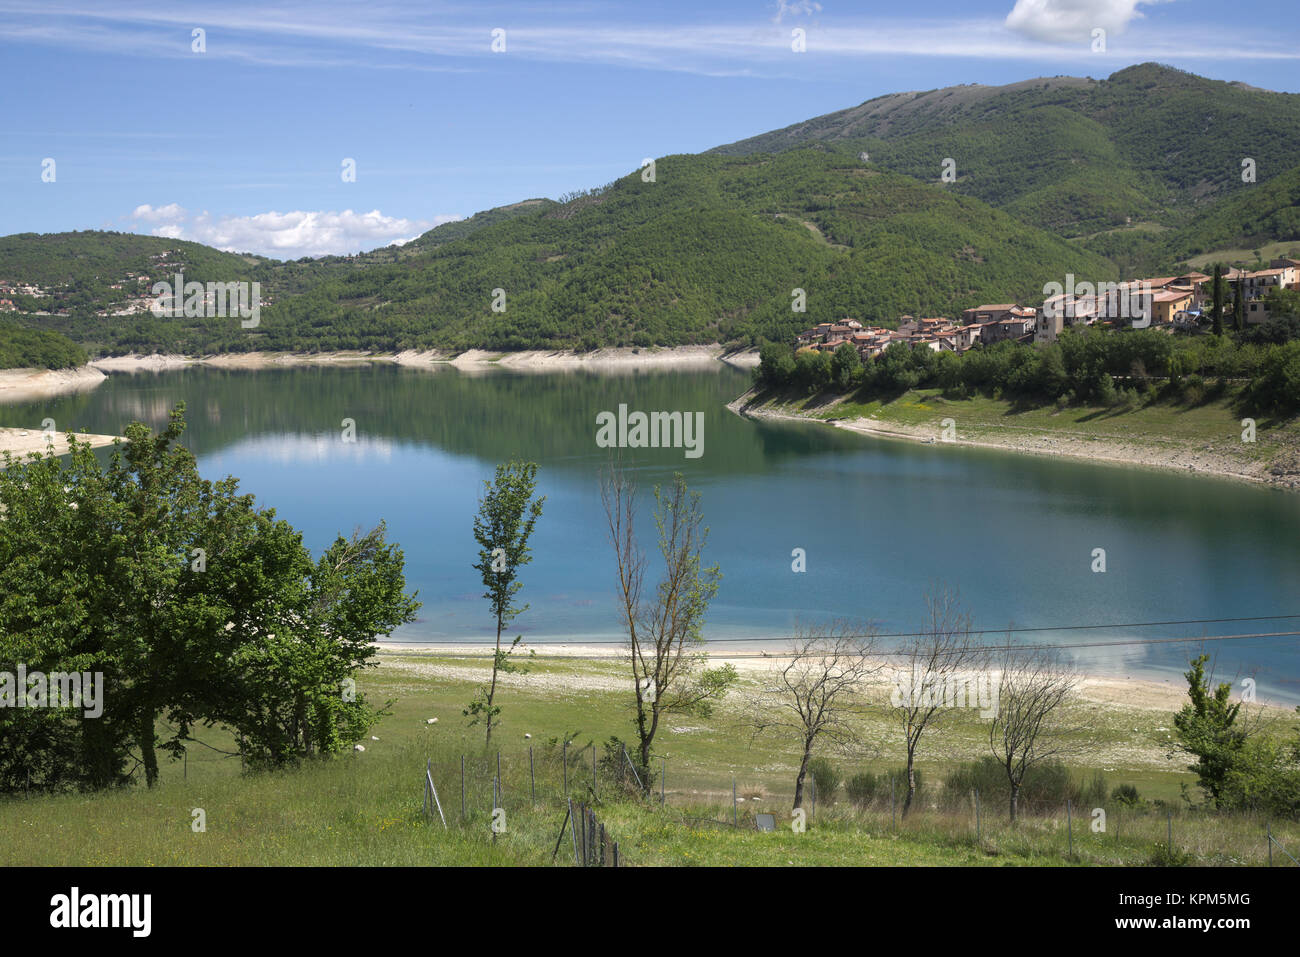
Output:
[[1238, 308], [1216, 308]]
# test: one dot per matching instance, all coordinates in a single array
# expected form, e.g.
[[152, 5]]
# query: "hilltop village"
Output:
[[1166, 303]]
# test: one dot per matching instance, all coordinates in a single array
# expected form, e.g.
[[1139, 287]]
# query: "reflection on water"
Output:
[[880, 521]]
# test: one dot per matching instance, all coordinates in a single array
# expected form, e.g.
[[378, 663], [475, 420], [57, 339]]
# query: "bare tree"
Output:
[[1033, 691], [669, 667], [813, 691], [933, 674]]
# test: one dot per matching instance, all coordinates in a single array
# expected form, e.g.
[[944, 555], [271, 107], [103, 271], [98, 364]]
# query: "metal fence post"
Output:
[[1069, 826], [532, 778], [573, 830], [566, 770], [462, 787]]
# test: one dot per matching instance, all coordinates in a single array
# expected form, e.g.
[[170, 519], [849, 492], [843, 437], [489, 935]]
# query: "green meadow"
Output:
[[367, 808], [1213, 425]]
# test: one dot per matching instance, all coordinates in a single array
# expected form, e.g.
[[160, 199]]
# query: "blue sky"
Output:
[[241, 145]]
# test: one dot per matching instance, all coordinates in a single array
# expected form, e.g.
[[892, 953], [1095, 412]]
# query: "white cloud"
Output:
[[795, 8], [289, 235], [1067, 20], [158, 214]]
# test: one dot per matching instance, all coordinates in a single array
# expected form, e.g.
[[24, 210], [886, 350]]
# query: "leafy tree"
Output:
[[190, 601], [504, 524], [812, 370], [1207, 729], [775, 365], [846, 367], [1216, 306]]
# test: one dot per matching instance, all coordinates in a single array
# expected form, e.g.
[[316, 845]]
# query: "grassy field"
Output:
[[1205, 436], [366, 807], [1246, 257]]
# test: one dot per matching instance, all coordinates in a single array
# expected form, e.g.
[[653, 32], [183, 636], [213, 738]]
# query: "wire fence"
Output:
[[575, 779]]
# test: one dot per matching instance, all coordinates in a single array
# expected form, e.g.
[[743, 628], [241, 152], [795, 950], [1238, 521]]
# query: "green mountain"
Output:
[[1255, 214], [710, 251], [459, 229], [1149, 144], [81, 278], [91, 260], [1103, 179]]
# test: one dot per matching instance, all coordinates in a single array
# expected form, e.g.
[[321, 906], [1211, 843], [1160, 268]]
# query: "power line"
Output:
[[893, 634], [1127, 642]]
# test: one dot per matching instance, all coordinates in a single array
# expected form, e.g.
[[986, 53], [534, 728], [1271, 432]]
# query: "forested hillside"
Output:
[[37, 349], [710, 251], [1109, 179], [1070, 154], [93, 259]]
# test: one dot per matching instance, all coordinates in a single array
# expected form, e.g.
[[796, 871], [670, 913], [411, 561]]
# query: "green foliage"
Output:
[[22, 348], [502, 527], [1083, 365], [1216, 301], [193, 603], [827, 777], [1248, 215], [1207, 730], [1276, 386], [1126, 795], [1047, 785], [1074, 155], [708, 253], [620, 765], [868, 789], [846, 368]]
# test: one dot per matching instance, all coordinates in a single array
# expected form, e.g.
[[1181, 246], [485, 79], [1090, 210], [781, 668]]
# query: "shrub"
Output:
[[1126, 795], [864, 788], [1092, 793], [1045, 785], [617, 765], [826, 777]]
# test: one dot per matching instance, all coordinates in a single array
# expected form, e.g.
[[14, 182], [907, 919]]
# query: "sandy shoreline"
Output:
[[1143, 693], [474, 359], [23, 385], [20, 442], [1036, 442]]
